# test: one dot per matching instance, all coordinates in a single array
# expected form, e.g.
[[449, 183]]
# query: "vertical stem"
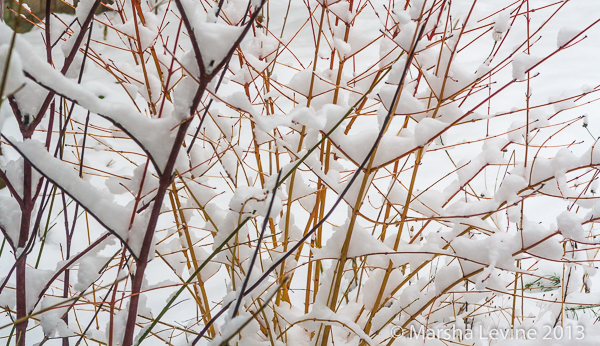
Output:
[[368, 172], [46, 29], [142, 260], [22, 312], [21, 327], [182, 224], [283, 295], [21, 265], [527, 95], [65, 341]]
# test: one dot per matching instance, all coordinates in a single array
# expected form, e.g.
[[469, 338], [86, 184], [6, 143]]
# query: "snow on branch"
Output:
[[114, 217], [155, 136]]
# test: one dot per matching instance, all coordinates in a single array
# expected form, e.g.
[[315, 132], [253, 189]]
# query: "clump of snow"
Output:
[[563, 161], [89, 271], [8, 297], [407, 104], [137, 232], [199, 160], [569, 225], [230, 327], [493, 251], [562, 105], [210, 269], [445, 277], [501, 25], [566, 34], [402, 16], [83, 10], [260, 50], [248, 199], [149, 32], [170, 251], [426, 130], [328, 317], [307, 117], [416, 8], [511, 186], [215, 41], [267, 123], [533, 233], [406, 35], [341, 10], [51, 320], [521, 64], [14, 77], [36, 279], [343, 47], [10, 218], [240, 101], [361, 243], [302, 192]]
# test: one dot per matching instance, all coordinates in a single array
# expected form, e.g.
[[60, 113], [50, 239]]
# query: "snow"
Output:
[[563, 161], [326, 316], [149, 32], [269, 122], [522, 63], [115, 217], [407, 104], [262, 47], [118, 331], [239, 100], [14, 170], [361, 243], [501, 25], [215, 39], [341, 10], [8, 297], [566, 34], [302, 192], [210, 269], [357, 146], [343, 47], [230, 328], [569, 225], [511, 186], [89, 271], [154, 135], [83, 10], [494, 251], [534, 233], [446, 277], [407, 33], [14, 78], [37, 279], [307, 117], [250, 199], [10, 218], [427, 129], [51, 320]]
